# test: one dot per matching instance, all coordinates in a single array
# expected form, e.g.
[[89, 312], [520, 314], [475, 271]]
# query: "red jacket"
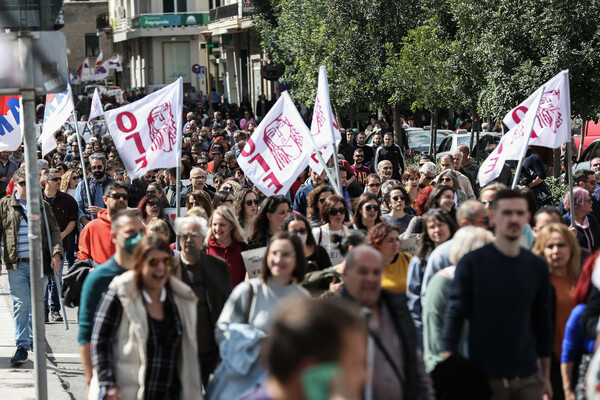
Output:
[[232, 254], [95, 240]]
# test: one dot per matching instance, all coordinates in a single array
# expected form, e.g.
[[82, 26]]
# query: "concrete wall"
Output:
[[80, 18]]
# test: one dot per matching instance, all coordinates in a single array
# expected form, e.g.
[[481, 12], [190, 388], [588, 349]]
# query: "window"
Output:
[[169, 6], [92, 45]]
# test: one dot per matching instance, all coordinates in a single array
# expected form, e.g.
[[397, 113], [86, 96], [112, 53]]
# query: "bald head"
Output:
[[361, 252], [471, 212]]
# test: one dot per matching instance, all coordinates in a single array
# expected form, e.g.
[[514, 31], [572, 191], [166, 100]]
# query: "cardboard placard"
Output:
[[253, 261], [171, 214], [409, 245]]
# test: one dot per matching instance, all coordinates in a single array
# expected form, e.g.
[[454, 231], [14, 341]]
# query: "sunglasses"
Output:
[[153, 203], [153, 262], [217, 182], [250, 202], [98, 167], [119, 196], [302, 231], [150, 193], [370, 207], [398, 198], [22, 183], [335, 211], [222, 166], [187, 236], [202, 163], [227, 188], [76, 178], [374, 184], [359, 156], [445, 179], [55, 179], [151, 177]]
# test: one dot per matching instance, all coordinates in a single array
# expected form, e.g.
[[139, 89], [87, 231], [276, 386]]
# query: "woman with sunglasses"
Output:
[[223, 198], [151, 207], [69, 182], [225, 239], [334, 215], [397, 200], [218, 180], [367, 212], [450, 178], [221, 167], [245, 206], [373, 184], [160, 361], [317, 257], [154, 189], [271, 214], [315, 201], [199, 198]]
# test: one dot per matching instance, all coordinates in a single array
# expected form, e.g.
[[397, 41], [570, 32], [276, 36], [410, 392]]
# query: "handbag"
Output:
[[542, 193]]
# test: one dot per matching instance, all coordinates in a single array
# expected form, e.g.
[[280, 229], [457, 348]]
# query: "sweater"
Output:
[[507, 302], [232, 254], [265, 300], [575, 342], [95, 239], [394, 274]]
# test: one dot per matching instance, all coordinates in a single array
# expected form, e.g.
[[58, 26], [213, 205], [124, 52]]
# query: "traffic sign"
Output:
[[196, 68]]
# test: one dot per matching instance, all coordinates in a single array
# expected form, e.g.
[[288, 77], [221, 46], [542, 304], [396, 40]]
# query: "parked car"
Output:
[[592, 133], [452, 141], [590, 152], [419, 141]]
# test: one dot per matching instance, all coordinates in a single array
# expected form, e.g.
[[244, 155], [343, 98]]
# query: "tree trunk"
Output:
[[397, 126], [433, 141]]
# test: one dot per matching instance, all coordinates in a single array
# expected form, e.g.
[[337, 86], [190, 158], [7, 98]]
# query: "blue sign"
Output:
[[196, 68]]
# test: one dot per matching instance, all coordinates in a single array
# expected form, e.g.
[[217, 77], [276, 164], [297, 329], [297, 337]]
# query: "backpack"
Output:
[[72, 281]]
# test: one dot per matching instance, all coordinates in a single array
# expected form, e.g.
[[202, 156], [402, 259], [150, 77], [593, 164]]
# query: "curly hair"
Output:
[[313, 198], [379, 232], [422, 199]]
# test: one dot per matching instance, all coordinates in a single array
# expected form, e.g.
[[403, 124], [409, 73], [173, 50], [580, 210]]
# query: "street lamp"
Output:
[[207, 35]]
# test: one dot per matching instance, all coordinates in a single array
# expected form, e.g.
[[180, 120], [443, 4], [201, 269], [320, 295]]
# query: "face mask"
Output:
[[132, 241], [302, 237]]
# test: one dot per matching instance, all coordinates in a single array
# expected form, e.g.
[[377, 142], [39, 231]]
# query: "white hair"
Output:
[[198, 221]]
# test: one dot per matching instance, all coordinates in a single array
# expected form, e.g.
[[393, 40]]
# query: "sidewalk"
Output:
[[19, 383]]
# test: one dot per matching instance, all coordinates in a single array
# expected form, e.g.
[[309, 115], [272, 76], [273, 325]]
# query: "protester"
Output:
[[267, 222], [126, 232], [97, 184], [440, 196], [588, 227], [367, 212], [161, 361], [199, 198], [209, 278], [464, 241], [334, 216], [386, 238], [316, 199], [561, 251], [223, 198], [411, 179], [397, 200], [374, 185], [69, 182], [317, 257], [245, 205]]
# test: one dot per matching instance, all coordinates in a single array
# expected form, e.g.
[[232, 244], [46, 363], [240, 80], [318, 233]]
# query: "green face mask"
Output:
[[132, 241]]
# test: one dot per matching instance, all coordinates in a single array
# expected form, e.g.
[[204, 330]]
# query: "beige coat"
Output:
[[129, 349]]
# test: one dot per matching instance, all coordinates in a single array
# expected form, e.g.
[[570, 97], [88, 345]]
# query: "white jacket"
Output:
[[129, 348]]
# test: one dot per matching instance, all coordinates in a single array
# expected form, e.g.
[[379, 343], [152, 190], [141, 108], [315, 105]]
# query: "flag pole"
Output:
[[84, 177], [569, 163], [178, 199], [520, 164]]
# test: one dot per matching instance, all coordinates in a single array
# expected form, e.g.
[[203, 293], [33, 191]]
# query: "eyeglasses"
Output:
[[370, 207], [188, 236], [335, 211], [58, 179], [119, 196], [22, 183], [398, 198], [98, 167], [374, 184], [227, 188], [153, 262], [151, 177], [153, 203], [250, 202]]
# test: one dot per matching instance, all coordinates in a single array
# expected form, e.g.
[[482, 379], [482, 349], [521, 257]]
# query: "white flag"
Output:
[[58, 109], [115, 63], [278, 150], [99, 59], [512, 146], [95, 108], [147, 133], [11, 128], [101, 72], [553, 123], [323, 128]]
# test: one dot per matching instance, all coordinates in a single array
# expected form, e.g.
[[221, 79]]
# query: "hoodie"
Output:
[[95, 240]]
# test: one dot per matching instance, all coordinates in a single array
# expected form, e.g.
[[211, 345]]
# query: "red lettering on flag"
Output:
[[273, 181]]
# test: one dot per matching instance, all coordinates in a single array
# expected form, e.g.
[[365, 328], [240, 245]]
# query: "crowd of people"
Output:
[[400, 281]]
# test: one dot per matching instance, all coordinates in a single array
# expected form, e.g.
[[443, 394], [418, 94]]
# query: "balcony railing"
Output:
[[231, 10]]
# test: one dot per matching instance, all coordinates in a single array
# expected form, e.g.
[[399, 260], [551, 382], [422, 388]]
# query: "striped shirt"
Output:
[[23, 240]]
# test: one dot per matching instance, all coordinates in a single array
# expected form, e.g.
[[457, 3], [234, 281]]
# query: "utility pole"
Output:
[[207, 35]]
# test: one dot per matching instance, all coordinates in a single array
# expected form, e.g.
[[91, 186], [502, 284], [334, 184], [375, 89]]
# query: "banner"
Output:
[[323, 127], [11, 128], [278, 150], [95, 108], [58, 109], [253, 261], [83, 72], [99, 60], [552, 126], [147, 132], [100, 73], [513, 145]]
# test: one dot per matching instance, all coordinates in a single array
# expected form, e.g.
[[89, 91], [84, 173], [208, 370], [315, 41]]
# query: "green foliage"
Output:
[[558, 187]]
